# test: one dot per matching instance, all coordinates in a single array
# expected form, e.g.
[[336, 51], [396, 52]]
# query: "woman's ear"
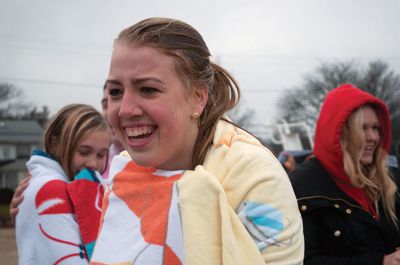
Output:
[[199, 97]]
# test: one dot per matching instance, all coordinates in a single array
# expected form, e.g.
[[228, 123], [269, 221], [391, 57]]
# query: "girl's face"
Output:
[[150, 108], [91, 152], [371, 135]]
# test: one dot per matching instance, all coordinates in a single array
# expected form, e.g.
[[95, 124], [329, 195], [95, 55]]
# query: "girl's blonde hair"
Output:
[[67, 128], [374, 179], [193, 65]]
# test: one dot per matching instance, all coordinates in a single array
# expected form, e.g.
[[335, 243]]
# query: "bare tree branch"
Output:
[[302, 103]]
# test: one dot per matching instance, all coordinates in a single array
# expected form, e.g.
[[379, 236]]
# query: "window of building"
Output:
[[7, 151], [23, 151]]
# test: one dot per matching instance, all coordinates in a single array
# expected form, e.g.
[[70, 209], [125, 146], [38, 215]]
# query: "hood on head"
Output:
[[336, 109]]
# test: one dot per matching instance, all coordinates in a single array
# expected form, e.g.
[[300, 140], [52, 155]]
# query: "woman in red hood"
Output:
[[347, 199]]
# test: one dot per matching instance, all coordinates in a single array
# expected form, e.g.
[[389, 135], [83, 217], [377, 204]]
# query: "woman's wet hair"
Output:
[[194, 67]]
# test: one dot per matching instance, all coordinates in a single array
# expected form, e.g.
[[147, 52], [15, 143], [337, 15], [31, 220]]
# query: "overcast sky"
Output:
[[58, 51]]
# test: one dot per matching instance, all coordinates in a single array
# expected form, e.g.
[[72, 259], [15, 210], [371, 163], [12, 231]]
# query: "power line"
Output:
[[48, 82], [267, 90], [87, 48], [69, 50], [28, 41], [79, 84], [289, 57]]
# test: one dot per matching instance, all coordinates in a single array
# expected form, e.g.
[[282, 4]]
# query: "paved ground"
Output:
[[8, 248]]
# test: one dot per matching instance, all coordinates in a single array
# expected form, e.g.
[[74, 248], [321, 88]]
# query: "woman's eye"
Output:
[[115, 92], [148, 90], [374, 127]]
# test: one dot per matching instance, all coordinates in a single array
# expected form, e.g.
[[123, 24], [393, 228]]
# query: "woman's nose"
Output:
[[129, 106], [372, 134]]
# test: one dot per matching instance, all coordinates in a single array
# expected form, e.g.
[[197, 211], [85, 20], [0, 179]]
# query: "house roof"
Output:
[[20, 131], [15, 165], [4, 162]]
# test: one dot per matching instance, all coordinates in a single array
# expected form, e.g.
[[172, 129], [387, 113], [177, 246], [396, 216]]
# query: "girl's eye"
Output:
[[83, 153]]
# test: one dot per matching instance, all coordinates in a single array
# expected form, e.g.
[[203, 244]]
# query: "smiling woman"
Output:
[[347, 198], [149, 106], [192, 188]]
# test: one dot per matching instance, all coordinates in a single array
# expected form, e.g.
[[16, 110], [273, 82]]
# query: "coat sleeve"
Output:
[[313, 252]]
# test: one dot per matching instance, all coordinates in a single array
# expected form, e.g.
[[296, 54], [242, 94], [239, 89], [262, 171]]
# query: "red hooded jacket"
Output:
[[336, 109]]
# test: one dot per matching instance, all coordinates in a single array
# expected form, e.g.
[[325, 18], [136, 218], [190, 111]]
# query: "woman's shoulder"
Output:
[[236, 154], [307, 169], [311, 179], [237, 140]]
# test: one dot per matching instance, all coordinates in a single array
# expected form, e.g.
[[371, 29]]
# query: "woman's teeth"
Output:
[[139, 131]]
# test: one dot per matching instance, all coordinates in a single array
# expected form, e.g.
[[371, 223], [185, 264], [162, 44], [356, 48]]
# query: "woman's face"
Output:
[[104, 108], [91, 152], [371, 135], [150, 109]]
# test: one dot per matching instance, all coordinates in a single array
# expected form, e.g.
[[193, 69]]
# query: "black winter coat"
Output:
[[337, 230]]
